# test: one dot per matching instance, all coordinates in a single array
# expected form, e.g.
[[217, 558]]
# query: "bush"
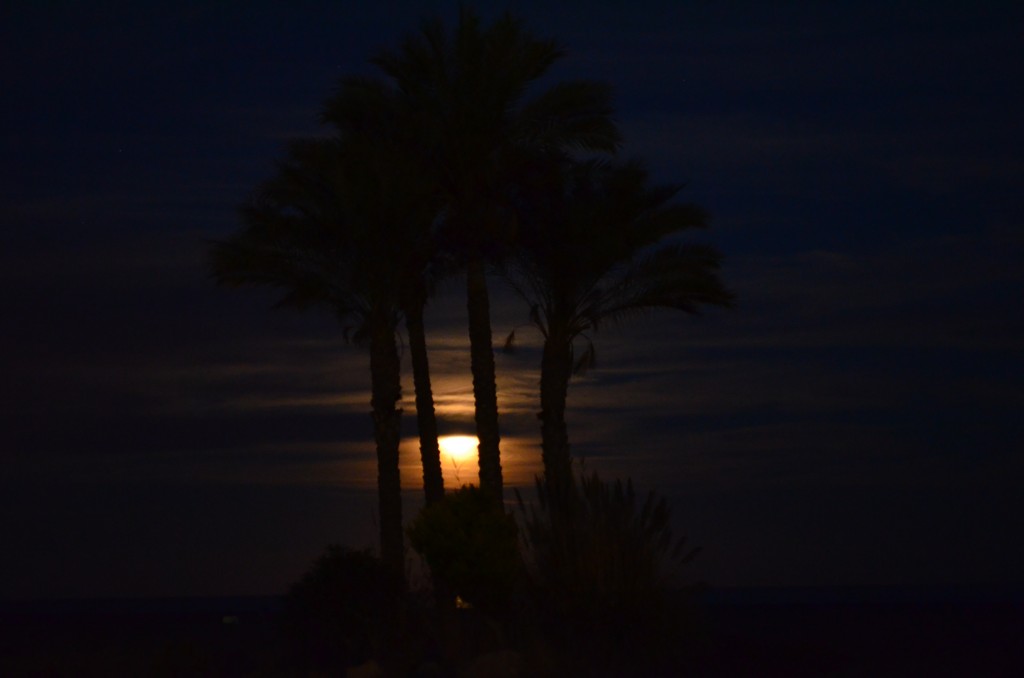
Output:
[[344, 611], [471, 544], [602, 566]]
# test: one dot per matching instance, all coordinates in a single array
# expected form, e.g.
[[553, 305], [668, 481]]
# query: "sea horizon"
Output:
[[705, 593]]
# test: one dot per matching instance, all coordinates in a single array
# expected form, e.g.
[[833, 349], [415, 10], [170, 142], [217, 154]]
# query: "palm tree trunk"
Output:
[[426, 425], [485, 390], [386, 391], [426, 420], [555, 371]]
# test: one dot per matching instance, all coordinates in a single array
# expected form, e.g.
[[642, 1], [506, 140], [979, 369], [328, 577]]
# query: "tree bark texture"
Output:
[[485, 390], [385, 371], [555, 372], [426, 419]]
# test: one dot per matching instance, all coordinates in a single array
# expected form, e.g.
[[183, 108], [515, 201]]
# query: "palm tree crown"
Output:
[[596, 246]]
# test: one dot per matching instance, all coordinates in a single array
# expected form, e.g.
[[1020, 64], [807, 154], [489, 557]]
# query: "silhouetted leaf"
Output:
[[535, 316], [509, 346], [586, 361]]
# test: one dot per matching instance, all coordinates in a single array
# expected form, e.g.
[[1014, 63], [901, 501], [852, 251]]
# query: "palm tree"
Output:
[[596, 247], [367, 111], [469, 91], [339, 227]]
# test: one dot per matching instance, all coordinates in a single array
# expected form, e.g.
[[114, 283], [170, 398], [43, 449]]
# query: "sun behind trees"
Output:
[[480, 133], [445, 166]]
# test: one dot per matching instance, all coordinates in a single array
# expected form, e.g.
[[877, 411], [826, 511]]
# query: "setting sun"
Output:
[[458, 448]]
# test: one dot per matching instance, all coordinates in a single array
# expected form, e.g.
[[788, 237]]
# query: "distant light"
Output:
[[458, 448]]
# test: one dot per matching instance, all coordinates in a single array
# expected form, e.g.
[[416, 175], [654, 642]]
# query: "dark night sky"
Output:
[[856, 420]]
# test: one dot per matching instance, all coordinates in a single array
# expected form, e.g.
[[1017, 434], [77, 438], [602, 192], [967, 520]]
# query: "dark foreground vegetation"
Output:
[[584, 589], [852, 633], [581, 590], [456, 162]]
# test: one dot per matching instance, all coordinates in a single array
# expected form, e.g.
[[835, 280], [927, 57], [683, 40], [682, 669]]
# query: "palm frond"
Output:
[[677, 276], [359, 104], [575, 115], [510, 346], [586, 361], [305, 278], [675, 218], [341, 222], [599, 245]]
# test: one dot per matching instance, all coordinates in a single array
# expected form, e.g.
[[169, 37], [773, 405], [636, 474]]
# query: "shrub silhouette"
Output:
[[471, 544], [344, 611], [601, 568]]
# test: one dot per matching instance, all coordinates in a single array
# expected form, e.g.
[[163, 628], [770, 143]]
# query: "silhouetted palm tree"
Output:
[[470, 92], [342, 226], [595, 247], [367, 111]]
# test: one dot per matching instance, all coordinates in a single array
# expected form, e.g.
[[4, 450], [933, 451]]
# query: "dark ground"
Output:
[[867, 634], [744, 633]]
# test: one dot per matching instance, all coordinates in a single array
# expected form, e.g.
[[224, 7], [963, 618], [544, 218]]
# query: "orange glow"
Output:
[[520, 462], [458, 448]]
